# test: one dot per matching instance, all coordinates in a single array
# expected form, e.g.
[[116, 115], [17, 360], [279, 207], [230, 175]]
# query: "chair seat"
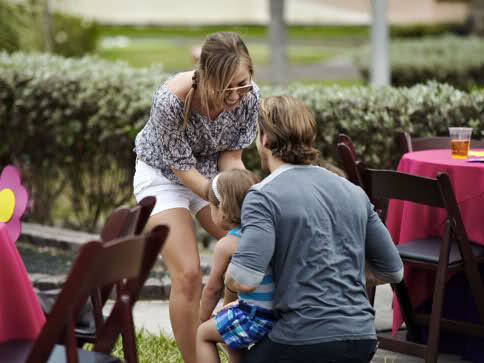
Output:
[[428, 250], [17, 351]]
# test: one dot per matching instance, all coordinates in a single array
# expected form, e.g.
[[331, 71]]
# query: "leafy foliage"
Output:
[[70, 125], [10, 24], [454, 60]]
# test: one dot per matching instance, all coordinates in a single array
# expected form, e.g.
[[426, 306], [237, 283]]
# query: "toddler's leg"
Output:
[[234, 355], [207, 338]]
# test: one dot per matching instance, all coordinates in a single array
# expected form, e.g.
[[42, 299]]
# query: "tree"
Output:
[[10, 25], [477, 16], [278, 43]]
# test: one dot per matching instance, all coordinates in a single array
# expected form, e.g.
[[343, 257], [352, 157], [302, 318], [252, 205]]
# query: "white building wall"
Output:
[[203, 12]]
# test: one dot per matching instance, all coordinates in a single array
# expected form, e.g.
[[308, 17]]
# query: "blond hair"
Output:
[[221, 54], [232, 186], [290, 129]]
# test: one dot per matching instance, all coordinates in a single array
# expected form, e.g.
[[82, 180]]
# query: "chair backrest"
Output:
[[122, 222], [99, 264], [345, 139], [350, 163], [410, 144], [390, 184]]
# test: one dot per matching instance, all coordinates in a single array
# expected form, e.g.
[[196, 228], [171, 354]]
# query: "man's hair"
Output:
[[290, 129], [232, 186], [220, 56]]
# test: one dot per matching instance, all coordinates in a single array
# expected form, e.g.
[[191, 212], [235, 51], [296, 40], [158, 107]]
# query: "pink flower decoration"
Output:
[[13, 200]]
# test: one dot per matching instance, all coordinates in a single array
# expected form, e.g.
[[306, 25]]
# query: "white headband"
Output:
[[214, 188]]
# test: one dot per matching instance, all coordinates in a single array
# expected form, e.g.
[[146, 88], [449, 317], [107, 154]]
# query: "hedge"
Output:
[[458, 61], [70, 125]]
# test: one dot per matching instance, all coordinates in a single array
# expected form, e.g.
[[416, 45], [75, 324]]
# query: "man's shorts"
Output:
[[243, 325], [149, 181]]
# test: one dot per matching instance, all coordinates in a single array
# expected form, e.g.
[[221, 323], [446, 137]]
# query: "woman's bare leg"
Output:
[[180, 253]]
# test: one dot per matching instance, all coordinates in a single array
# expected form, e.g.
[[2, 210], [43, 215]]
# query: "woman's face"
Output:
[[238, 89]]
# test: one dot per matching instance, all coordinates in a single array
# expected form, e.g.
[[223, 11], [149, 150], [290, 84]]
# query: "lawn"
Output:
[[142, 46], [175, 53], [156, 349]]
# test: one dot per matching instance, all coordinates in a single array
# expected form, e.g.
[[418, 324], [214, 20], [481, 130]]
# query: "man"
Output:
[[315, 229]]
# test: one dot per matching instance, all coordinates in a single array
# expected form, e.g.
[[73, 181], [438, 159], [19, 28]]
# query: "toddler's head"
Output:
[[226, 195]]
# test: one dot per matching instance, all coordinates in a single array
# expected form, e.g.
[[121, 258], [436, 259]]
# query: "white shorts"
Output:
[[149, 181]]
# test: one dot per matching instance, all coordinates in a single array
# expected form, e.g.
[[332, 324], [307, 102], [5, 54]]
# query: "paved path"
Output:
[[154, 317]]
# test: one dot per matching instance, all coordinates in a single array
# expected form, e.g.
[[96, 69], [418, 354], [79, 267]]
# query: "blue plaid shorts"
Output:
[[241, 328]]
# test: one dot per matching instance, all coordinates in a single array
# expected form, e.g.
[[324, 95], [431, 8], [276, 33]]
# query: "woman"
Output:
[[199, 123]]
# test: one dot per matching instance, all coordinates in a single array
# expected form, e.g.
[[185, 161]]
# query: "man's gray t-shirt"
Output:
[[315, 229]]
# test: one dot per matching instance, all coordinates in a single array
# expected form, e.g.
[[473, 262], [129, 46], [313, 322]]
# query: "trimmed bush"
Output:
[[454, 60], [70, 125], [22, 29]]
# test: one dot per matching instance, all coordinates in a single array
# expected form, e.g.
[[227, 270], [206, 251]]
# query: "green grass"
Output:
[[175, 54], [155, 349], [258, 31]]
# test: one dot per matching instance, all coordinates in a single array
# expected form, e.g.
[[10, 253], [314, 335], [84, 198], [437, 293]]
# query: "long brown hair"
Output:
[[232, 186], [221, 54], [290, 129]]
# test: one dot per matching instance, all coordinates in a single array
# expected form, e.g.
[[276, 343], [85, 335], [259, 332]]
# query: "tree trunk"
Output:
[[477, 17], [47, 24], [380, 62], [278, 43]]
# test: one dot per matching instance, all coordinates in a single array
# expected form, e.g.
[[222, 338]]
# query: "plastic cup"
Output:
[[460, 142]]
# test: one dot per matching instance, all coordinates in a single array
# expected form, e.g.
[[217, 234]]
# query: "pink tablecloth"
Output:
[[408, 221], [20, 314]]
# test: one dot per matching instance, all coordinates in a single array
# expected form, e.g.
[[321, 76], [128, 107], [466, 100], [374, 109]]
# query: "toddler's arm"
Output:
[[215, 284]]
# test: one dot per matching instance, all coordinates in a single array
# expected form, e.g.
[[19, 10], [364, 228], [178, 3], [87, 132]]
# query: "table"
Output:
[[21, 316], [408, 221]]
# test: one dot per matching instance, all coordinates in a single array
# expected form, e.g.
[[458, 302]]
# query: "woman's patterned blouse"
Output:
[[164, 143]]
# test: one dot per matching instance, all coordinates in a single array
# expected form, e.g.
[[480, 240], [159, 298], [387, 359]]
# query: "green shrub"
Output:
[[456, 61], [427, 30], [70, 125], [73, 36], [10, 24], [22, 28]]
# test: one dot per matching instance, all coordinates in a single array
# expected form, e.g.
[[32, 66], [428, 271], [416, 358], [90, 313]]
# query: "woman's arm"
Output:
[[194, 181], [197, 183], [230, 160], [215, 284]]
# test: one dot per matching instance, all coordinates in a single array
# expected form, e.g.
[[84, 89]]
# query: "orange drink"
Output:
[[460, 142], [459, 149]]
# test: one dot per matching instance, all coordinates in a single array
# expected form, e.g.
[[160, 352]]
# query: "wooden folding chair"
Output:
[[452, 252], [98, 264], [121, 223], [347, 154], [410, 144]]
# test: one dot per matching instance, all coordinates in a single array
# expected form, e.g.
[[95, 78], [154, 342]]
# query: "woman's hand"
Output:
[[194, 181]]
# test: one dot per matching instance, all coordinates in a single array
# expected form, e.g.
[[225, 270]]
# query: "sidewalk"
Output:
[[154, 317]]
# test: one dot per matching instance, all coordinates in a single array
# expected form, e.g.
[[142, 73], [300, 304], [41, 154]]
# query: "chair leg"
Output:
[[438, 300], [475, 282], [407, 311], [371, 290], [128, 332]]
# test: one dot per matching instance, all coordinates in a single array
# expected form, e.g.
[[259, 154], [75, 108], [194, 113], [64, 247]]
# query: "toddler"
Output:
[[243, 322]]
